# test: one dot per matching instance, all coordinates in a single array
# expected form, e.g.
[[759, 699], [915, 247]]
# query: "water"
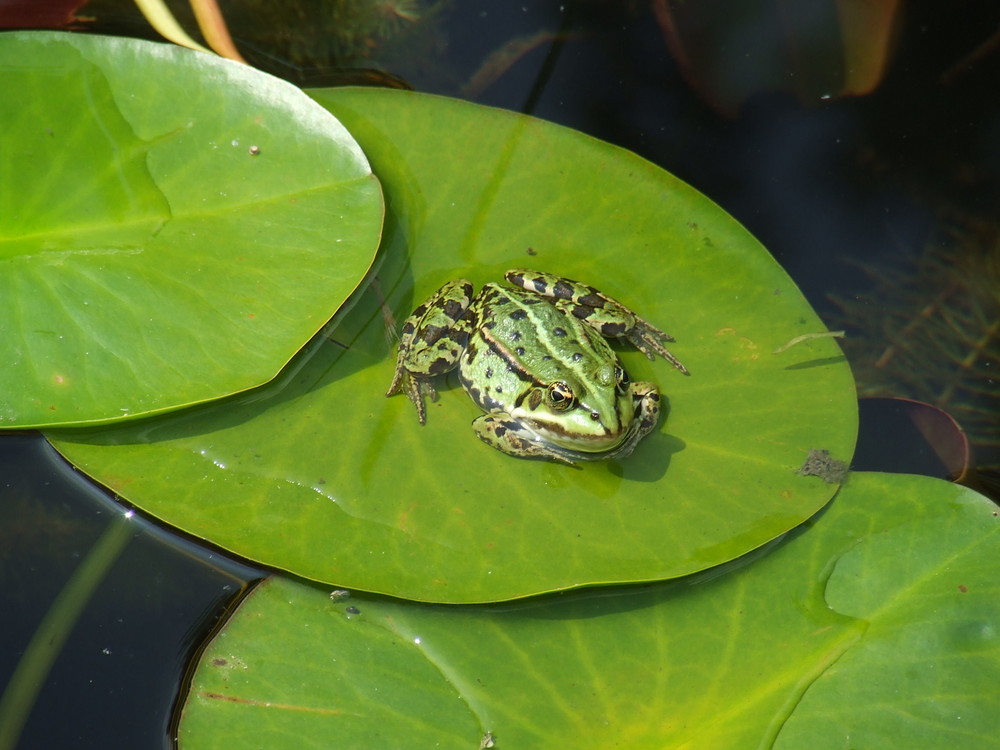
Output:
[[824, 187]]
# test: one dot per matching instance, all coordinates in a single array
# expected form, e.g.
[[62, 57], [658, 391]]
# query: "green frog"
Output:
[[535, 358]]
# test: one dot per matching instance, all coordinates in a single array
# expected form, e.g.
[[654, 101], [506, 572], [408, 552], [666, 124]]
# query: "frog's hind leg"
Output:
[[430, 343], [600, 311], [509, 436]]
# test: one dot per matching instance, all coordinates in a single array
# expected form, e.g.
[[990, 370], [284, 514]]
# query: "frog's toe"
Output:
[[417, 389], [649, 340]]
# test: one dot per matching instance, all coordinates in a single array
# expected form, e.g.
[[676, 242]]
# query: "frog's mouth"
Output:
[[593, 446]]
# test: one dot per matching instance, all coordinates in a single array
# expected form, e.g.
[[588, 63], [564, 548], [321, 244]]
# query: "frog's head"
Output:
[[592, 414]]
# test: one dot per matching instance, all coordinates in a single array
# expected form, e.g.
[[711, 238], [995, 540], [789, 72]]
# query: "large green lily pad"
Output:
[[321, 475], [173, 226], [874, 627]]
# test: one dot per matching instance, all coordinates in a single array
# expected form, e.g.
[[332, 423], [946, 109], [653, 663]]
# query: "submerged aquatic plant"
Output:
[[931, 332], [329, 33]]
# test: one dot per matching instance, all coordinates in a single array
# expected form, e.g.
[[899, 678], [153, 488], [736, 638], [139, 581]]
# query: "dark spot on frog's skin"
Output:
[[577, 356], [489, 372], [562, 290], [438, 366], [546, 358], [519, 315], [613, 329], [502, 300], [432, 333], [591, 300], [490, 404], [489, 324], [535, 399], [499, 389], [532, 300], [654, 396], [454, 310], [559, 331], [596, 416], [538, 284], [515, 335], [520, 351]]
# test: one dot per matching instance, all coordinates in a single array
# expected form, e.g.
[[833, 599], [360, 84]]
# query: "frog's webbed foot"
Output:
[[509, 436], [600, 311], [415, 388], [646, 401], [649, 339]]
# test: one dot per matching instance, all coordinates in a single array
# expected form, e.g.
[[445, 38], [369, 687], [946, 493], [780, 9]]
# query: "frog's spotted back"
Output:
[[535, 359]]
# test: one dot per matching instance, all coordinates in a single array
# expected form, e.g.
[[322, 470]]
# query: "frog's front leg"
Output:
[[431, 342], [501, 431], [604, 314]]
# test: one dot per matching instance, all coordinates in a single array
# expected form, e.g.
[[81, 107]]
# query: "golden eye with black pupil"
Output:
[[561, 396]]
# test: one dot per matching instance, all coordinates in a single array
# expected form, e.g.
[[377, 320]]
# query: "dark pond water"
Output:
[[147, 599], [909, 172]]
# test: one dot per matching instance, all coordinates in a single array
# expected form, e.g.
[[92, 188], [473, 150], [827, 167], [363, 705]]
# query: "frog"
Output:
[[535, 358]]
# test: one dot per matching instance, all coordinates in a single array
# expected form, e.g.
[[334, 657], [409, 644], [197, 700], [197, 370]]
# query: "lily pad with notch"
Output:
[[321, 475]]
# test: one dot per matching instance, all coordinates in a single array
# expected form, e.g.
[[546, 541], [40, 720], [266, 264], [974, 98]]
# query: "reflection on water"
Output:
[[127, 651]]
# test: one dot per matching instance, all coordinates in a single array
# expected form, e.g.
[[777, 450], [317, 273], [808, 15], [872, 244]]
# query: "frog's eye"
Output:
[[621, 378], [561, 396]]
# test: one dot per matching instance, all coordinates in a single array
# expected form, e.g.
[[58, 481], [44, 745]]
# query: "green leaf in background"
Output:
[[173, 226], [874, 627], [321, 475]]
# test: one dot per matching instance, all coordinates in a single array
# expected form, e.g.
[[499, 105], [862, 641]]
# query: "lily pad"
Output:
[[174, 227], [875, 626], [321, 475]]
